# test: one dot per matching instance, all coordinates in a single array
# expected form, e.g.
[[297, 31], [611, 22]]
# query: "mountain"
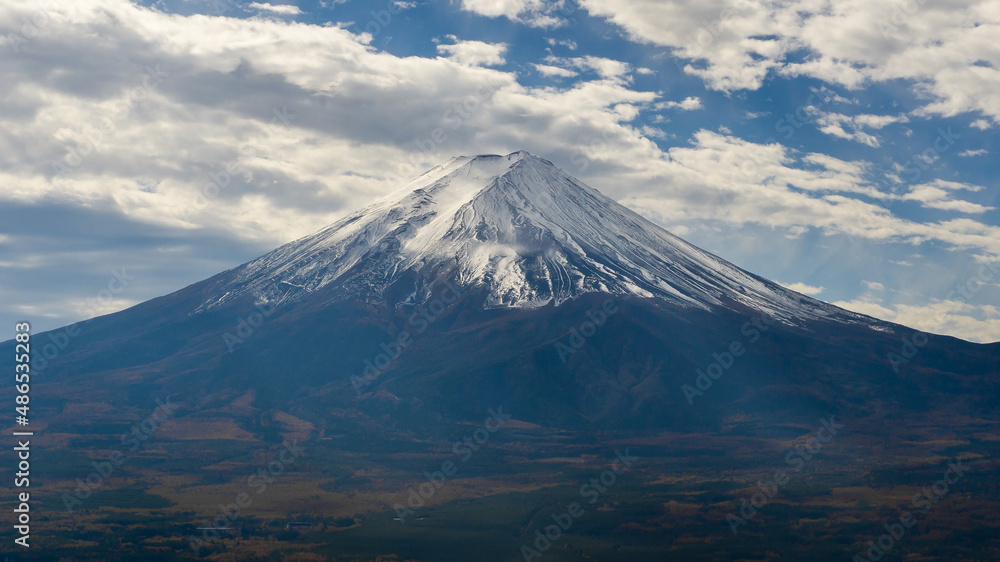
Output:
[[521, 229], [464, 361], [502, 280]]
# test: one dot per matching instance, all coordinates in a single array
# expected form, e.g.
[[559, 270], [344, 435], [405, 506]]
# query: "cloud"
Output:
[[720, 178], [533, 12], [935, 195], [497, 8], [52, 239], [384, 118], [554, 71], [324, 123], [654, 133], [946, 50], [474, 53], [568, 43], [803, 288], [978, 323], [851, 127], [604, 67], [689, 104], [873, 285], [970, 153], [282, 9]]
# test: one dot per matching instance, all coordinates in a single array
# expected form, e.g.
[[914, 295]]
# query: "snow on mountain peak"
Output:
[[515, 225]]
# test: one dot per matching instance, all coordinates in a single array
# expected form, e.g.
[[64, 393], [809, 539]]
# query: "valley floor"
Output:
[[508, 491]]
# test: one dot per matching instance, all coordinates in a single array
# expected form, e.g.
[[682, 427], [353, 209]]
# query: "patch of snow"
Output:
[[521, 228]]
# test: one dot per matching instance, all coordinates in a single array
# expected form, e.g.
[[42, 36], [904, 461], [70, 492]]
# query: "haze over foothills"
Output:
[[846, 149]]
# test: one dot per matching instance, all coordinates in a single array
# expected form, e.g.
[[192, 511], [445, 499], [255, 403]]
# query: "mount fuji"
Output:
[[502, 280], [522, 230]]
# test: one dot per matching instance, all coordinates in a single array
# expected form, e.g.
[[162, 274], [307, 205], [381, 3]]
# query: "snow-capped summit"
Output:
[[517, 226]]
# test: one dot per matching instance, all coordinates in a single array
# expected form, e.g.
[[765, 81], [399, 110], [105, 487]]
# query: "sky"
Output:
[[844, 149]]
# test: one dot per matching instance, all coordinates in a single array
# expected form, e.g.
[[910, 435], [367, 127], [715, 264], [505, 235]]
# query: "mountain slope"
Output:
[[521, 228]]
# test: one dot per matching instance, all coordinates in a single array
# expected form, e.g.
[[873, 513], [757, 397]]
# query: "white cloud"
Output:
[[606, 68], [969, 153], [533, 12], [361, 121], [873, 285], [720, 178], [547, 70], [603, 67], [978, 323], [497, 8], [474, 53], [568, 43], [383, 118], [654, 133], [283, 9], [980, 124], [851, 127], [688, 104], [935, 195], [804, 289], [941, 46]]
